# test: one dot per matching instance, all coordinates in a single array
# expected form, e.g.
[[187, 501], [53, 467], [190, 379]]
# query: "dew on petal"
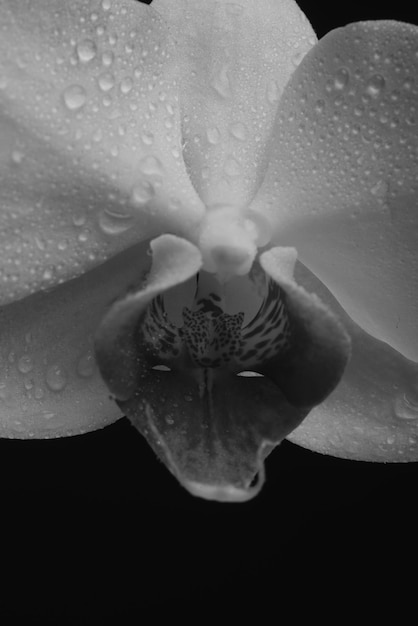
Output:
[[79, 219], [86, 50], [341, 79], [147, 138], [106, 81], [221, 83], [273, 93], [107, 58], [406, 407], [380, 189], [56, 377], [232, 167], [375, 85], [126, 85], [114, 223], [213, 135], [151, 165], [233, 8], [17, 157], [25, 364], [239, 131], [142, 192], [74, 97], [86, 365]]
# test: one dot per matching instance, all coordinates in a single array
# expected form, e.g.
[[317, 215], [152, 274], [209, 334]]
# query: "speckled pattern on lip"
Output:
[[209, 337]]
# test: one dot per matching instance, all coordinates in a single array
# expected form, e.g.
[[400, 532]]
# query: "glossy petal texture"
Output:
[[90, 153], [212, 428], [49, 382], [342, 185], [373, 413], [235, 59]]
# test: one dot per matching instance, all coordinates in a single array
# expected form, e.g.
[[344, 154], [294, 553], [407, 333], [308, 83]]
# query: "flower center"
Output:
[[229, 239], [206, 336]]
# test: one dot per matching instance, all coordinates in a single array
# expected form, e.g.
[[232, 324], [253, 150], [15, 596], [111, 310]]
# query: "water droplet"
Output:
[[273, 93], [74, 97], [390, 440], [147, 138], [239, 131], [341, 79], [406, 408], [188, 398], [375, 85], [297, 57], [79, 219], [213, 135], [113, 223], [48, 273], [48, 415], [106, 4], [28, 383], [106, 81], [142, 192], [380, 189], [126, 85], [86, 365], [232, 167], [107, 58], [169, 420], [17, 157], [56, 378], [86, 50], [63, 244], [38, 393], [151, 165], [25, 364], [234, 8], [221, 83], [319, 106]]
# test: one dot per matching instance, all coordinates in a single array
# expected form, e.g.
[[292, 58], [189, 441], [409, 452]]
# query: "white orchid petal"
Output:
[[373, 413], [342, 186], [90, 152], [235, 60], [49, 381]]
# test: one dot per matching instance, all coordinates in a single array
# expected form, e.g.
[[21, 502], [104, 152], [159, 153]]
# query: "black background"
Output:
[[94, 529]]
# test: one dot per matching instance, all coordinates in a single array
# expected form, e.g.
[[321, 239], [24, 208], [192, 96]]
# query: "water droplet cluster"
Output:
[[103, 114], [350, 124], [231, 95]]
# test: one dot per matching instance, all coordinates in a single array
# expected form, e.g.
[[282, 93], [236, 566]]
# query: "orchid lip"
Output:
[[173, 354]]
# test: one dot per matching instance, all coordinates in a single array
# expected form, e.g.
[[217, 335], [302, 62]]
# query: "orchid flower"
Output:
[[209, 224]]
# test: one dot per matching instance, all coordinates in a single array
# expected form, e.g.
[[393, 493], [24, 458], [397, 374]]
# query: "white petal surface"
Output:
[[342, 186], [49, 383], [373, 413], [90, 151], [235, 59]]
